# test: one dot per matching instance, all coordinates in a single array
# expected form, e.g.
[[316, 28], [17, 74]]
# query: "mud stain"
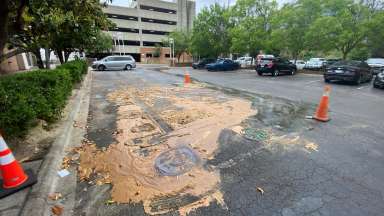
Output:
[[197, 117]]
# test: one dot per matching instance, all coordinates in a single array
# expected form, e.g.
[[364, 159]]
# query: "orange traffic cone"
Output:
[[322, 110], [187, 78], [14, 178]]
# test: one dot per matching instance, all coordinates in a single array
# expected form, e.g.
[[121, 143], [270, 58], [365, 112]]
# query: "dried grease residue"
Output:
[[129, 164]]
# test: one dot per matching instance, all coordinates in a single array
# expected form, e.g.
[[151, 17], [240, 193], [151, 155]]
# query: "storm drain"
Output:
[[176, 161], [255, 134]]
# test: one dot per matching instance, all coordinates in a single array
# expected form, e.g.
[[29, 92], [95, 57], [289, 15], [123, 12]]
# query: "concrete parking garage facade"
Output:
[[145, 23]]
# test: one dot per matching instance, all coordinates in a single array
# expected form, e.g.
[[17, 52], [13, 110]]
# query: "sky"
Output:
[[200, 4]]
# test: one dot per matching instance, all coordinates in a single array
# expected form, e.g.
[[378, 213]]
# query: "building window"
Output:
[[124, 17], [155, 32], [166, 22], [128, 42], [167, 56], [148, 55], [121, 29], [151, 44], [157, 9]]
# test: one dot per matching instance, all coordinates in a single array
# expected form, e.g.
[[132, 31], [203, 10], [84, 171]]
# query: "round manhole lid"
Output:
[[176, 161]]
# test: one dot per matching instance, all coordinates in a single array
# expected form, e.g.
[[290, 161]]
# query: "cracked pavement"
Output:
[[345, 176]]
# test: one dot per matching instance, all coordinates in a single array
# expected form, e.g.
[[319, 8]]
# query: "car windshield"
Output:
[[375, 61], [347, 63]]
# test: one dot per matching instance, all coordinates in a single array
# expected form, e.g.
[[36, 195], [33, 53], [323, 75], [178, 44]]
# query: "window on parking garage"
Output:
[[124, 17], [157, 9], [166, 22], [155, 32], [121, 29]]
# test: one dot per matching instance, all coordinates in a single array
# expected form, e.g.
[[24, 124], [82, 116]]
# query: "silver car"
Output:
[[126, 62]]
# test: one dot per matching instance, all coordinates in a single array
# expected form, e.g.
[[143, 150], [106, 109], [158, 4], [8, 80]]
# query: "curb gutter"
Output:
[[37, 202]]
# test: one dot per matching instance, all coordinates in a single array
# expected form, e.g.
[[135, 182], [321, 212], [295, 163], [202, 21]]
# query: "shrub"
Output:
[[40, 94]]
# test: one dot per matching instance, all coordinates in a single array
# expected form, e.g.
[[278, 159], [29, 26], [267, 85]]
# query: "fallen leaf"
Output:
[[57, 210], [109, 202], [312, 147], [260, 190], [55, 196]]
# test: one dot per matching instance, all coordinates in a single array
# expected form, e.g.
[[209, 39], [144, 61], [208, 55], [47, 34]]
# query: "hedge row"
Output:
[[40, 94]]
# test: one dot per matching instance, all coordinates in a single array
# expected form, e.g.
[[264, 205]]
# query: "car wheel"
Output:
[[275, 72], [101, 68], [260, 74], [358, 81], [128, 67]]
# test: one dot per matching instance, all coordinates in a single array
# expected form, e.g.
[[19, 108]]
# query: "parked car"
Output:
[[261, 56], [315, 63], [202, 63], [350, 71], [329, 62], [300, 64], [223, 65], [377, 64], [244, 61], [126, 62], [275, 67], [379, 80]]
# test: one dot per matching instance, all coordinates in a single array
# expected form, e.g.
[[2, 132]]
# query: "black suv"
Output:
[[202, 63], [275, 66]]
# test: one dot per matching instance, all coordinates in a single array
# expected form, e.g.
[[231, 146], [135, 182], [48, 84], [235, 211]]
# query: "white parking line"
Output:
[[361, 87], [312, 82]]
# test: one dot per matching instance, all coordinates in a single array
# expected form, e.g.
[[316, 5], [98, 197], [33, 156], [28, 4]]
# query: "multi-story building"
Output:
[[146, 23]]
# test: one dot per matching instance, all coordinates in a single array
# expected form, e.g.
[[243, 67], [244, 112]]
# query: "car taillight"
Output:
[[270, 65]]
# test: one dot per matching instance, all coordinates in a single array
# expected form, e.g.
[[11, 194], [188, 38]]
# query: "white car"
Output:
[[300, 64], [377, 64], [244, 61], [315, 63]]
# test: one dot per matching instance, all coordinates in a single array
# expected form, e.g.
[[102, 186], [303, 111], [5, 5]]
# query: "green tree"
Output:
[[252, 26], [181, 40], [102, 42], [343, 27], [62, 26], [210, 34], [157, 51], [291, 24]]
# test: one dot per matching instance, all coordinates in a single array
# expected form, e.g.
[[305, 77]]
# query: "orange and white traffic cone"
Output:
[[13, 176], [187, 78], [322, 110]]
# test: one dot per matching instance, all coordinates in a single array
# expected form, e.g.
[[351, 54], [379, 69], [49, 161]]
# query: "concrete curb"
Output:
[[37, 202]]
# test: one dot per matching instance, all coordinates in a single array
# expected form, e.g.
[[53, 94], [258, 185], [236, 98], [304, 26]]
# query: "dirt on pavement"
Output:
[[196, 115]]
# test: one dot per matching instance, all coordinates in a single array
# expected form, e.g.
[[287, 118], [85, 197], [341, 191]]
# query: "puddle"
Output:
[[278, 113]]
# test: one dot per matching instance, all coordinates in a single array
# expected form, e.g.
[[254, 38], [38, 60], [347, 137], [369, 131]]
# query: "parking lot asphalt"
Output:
[[341, 174]]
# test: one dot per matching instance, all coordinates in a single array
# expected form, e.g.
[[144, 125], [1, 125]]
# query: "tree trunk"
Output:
[[47, 58], [66, 55], [59, 54], [39, 61], [345, 54], [4, 11]]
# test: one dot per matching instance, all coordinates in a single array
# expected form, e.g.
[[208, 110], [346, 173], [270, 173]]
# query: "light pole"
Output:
[[172, 51]]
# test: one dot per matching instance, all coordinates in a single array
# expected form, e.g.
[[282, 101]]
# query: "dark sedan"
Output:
[[349, 71], [379, 80], [202, 63], [223, 65], [275, 67]]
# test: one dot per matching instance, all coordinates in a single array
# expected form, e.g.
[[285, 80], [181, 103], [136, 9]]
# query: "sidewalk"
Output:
[[34, 200]]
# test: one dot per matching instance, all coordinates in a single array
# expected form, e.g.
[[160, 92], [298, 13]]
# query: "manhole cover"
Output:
[[176, 161], [255, 134]]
